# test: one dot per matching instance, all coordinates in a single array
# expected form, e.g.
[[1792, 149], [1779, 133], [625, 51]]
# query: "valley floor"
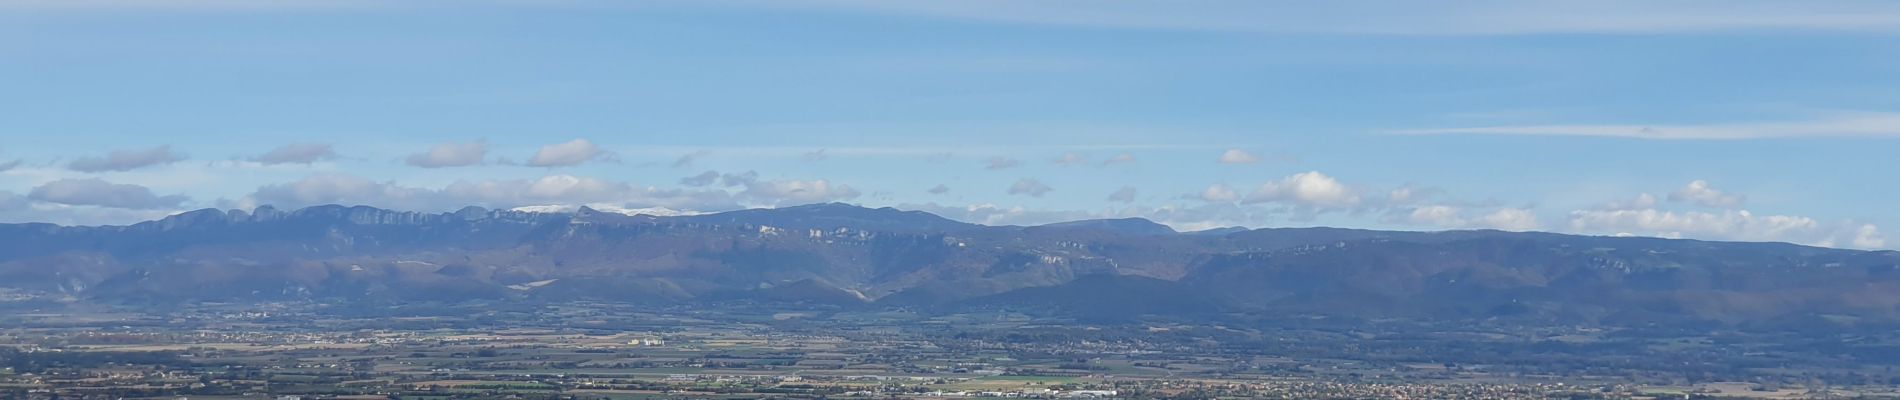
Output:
[[614, 351]]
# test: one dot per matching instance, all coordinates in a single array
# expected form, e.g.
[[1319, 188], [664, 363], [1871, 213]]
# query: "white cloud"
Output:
[[1068, 159], [1031, 187], [1238, 156], [1401, 195], [1001, 163], [1306, 189], [939, 189], [96, 192], [1123, 158], [1868, 236], [126, 160], [1642, 201], [1641, 216], [349, 190], [794, 192], [572, 152], [569, 186], [1724, 225], [816, 155], [451, 155], [1410, 194], [1442, 216], [1201, 217], [1124, 195], [775, 193], [567, 189], [991, 214], [300, 153], [1699, 192], [1510, 219], [1219, 193], [71, 215], [1839, 125]]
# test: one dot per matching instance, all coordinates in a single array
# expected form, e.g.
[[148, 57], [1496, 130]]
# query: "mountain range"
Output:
[[849, 256]]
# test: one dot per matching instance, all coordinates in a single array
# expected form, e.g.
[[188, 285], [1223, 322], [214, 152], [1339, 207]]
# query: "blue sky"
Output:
[[1732, 120]]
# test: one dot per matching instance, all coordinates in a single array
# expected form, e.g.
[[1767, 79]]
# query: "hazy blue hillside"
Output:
[[844, 255]]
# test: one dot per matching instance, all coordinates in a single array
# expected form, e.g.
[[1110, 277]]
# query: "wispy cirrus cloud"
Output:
[[1001, 163], [1862, 125]]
